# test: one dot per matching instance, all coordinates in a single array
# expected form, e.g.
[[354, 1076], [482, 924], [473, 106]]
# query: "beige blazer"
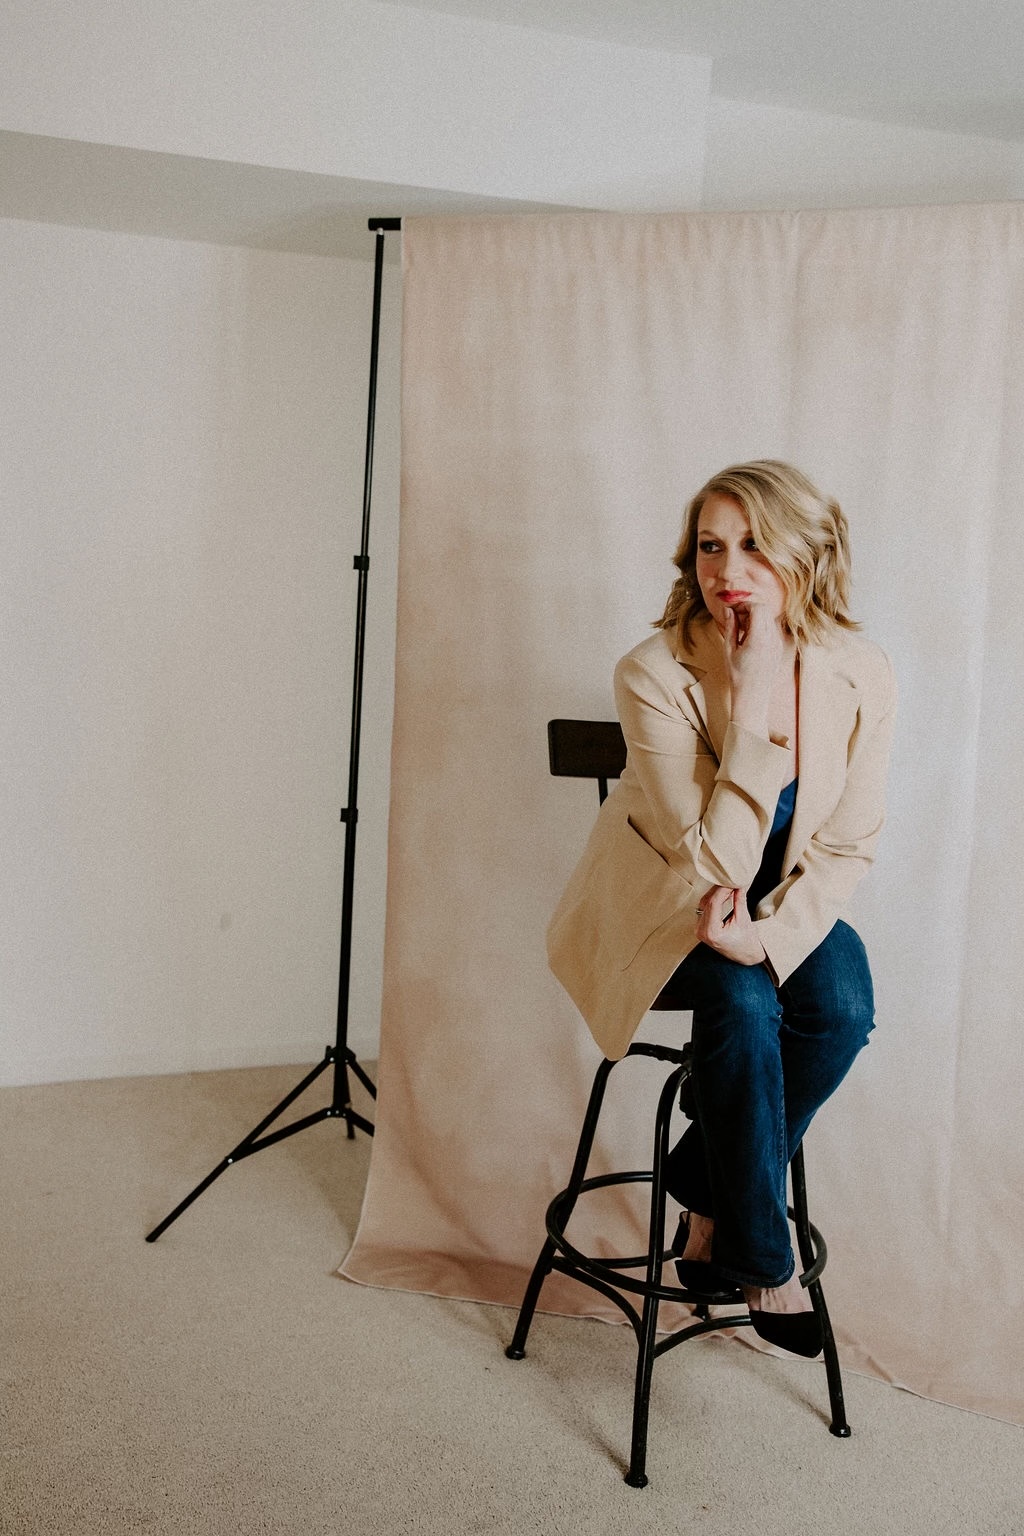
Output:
[[694, 808]]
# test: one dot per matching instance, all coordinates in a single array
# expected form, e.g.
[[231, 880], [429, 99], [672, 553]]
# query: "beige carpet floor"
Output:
[[224, 1380]]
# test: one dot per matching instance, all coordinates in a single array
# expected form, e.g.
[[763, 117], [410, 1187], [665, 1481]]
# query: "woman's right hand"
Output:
[[756, 648]]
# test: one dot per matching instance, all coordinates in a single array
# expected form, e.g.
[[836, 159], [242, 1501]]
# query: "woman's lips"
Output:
[[733, 597]]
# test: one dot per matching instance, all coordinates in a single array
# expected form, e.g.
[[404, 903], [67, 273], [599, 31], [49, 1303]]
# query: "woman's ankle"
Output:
[[699, 1235], [790, 1297]]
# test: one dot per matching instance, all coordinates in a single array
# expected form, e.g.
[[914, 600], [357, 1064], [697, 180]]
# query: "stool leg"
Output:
[[839, 1425], [636, 1476], [517, 1348], [587, 1134]]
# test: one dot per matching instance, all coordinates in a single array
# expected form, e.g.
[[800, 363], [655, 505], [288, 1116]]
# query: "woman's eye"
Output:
[[708, 546], [751, 544]]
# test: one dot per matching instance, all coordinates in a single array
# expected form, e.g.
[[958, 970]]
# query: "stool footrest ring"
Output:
[[608, 1270]]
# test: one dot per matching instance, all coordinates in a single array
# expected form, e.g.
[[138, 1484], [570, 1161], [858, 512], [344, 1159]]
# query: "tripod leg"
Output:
[[358, 1070], [151, 1237], [245, 1146]]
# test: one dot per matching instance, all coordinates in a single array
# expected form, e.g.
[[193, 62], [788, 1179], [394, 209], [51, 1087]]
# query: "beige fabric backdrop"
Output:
[[567, 383]]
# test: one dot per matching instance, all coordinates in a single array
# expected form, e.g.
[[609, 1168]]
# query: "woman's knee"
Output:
[[831, 992]]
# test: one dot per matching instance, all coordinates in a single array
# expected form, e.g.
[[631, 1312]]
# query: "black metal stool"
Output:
[[611, 1276], [595, 749]]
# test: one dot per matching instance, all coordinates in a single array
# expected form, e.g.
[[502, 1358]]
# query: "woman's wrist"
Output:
[[750, 714]]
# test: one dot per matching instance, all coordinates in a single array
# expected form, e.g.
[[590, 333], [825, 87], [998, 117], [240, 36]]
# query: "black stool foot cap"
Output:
[[520, 1354], [635, 1482], [841, 1431]]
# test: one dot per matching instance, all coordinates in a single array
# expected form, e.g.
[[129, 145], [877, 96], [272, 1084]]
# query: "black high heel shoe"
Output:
[[798, 1332]]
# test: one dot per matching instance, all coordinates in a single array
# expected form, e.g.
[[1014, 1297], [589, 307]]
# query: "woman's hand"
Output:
[[724, 924], [755, 650]]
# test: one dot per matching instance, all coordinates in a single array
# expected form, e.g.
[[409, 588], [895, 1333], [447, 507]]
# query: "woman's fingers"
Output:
[[724, 924], [719, 908], [737, 627], [761, 628], [711, 914]]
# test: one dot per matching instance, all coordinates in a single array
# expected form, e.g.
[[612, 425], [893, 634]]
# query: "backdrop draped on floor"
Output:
[[568, 382]]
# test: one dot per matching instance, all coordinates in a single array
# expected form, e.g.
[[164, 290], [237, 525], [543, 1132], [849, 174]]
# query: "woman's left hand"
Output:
[[724, 924]]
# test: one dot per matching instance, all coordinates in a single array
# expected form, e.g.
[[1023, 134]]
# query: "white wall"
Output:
[[184, 431]]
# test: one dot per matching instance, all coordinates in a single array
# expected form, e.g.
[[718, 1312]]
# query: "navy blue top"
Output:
[[769, 874]]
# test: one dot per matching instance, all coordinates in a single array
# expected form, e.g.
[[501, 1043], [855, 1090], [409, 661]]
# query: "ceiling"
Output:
[[954, 65]]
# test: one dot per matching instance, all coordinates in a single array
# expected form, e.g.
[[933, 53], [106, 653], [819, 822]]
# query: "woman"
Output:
[[758, 726]]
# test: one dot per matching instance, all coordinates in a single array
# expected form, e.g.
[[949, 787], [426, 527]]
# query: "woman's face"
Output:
[[730, 571]]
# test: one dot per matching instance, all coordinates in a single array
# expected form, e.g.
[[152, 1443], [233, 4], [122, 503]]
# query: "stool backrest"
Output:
[[587, 749]]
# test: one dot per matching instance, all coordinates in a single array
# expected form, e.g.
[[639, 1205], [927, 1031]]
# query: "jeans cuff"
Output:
[[745, 1277]]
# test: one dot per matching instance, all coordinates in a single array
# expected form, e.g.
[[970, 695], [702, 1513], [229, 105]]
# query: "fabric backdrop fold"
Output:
[[568, 382]]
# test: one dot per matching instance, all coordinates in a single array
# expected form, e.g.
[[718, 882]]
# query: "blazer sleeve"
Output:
[[843, 849], [711, 818]]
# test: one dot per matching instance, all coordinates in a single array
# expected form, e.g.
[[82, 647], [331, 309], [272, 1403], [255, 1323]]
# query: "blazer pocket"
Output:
[[649, 892]]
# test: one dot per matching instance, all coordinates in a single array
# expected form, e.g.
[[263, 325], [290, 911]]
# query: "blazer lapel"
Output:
[[827, 706], [709, 692]]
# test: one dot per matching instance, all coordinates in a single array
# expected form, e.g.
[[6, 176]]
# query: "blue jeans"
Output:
[[764, 1060]]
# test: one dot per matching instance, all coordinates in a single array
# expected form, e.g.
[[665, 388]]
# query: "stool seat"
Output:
[[640, 1295]]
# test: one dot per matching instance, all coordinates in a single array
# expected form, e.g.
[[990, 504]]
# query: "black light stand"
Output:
[[339, 1055]]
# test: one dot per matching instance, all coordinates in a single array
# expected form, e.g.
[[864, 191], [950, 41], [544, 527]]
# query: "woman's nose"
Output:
[[734, 567]]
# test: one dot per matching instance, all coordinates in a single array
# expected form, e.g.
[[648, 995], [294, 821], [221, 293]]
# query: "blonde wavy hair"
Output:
[[802, 535]]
